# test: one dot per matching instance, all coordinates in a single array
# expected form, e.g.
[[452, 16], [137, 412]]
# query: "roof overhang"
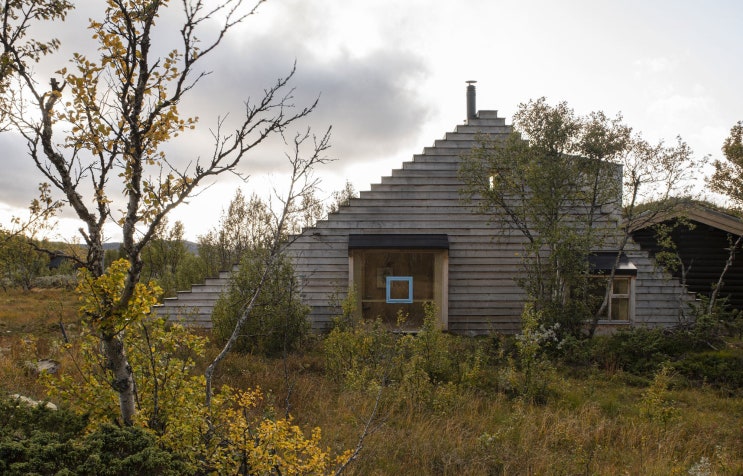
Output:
[[398, 241], [694, 212], [602, 262]]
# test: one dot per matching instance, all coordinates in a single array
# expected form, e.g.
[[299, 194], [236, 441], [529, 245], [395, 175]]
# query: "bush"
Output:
[[425, 370], [722, 368], [36, 440], [360, 354], [20, 420], [278, 320], [643, 352], [639, 350]]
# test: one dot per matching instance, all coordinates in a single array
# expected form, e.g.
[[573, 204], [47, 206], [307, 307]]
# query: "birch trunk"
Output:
[[123, 382]]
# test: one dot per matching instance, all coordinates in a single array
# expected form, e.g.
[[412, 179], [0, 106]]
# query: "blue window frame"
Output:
[[399, 279]]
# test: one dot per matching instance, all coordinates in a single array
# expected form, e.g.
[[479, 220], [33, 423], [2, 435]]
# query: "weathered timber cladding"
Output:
[[703, 250], [484, 262]]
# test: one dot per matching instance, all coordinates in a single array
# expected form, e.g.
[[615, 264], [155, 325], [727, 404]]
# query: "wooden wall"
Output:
[[704, 251], [423, 197]]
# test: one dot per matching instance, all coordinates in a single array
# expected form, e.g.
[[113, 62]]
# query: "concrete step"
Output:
[[217, 281], [427, 170], [430, 166], [448, 158], [488, 114], [191, 299], [197, 320], [485, 122], [447, 179], [187, 308]]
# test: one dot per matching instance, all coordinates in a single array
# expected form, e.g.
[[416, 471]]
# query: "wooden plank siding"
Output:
[[703, 249], [423, 196], [484, 261]]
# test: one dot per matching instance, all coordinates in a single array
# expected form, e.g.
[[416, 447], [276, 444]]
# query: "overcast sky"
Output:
[[391, 78]]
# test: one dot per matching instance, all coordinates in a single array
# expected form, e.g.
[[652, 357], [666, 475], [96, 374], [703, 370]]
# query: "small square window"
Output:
[[399, 289]]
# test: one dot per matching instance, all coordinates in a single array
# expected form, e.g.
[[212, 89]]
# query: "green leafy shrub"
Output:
[[36, 440], [359, 354], [721, 369], [656, 403], [162, 357], [639, 350], [429, 369], [711, 325], [20, 420], [643, 352], [278, 320], [534, 372], [434, 347]]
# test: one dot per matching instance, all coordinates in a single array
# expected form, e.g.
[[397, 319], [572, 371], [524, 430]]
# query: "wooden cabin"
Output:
[[703, 237], [411, 239]]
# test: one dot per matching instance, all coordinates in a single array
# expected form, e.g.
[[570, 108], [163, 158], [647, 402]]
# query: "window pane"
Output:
[[596, 289], [621, 286], [620, 309], [377, 265], [400, 289]]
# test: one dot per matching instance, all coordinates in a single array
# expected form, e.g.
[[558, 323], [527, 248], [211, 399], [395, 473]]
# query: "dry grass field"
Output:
[[595, 422]]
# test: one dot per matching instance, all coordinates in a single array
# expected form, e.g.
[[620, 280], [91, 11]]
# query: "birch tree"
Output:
[[728, 180], [571, 185], [551, 182], [102, 124], [728, 176]]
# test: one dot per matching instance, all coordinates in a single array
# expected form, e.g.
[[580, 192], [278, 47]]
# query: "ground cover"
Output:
[[591, 420]]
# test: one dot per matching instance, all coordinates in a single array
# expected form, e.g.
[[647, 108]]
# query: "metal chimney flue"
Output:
[[471, 100]]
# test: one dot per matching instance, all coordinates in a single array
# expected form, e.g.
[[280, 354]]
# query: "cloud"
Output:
[[20, 179], [367, 95], [651, 66], [369, 98]]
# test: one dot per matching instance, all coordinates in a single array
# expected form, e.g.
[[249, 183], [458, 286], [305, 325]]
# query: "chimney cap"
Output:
[[471, 81]]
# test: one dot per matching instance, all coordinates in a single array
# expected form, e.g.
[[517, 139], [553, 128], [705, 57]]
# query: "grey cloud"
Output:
[[369, 100], [19, 178]]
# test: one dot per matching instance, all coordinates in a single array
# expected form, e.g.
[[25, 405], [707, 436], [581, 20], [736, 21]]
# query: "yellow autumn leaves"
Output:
[[235, 433]]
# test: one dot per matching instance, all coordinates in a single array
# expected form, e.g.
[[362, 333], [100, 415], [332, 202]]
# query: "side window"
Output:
[[620, 305]]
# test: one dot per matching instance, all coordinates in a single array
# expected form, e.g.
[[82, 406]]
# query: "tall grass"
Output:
[[594, 422], [592, 425], [30, 330]]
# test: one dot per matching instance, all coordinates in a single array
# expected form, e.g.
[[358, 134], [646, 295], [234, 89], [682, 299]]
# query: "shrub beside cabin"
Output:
[[411, 239]]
